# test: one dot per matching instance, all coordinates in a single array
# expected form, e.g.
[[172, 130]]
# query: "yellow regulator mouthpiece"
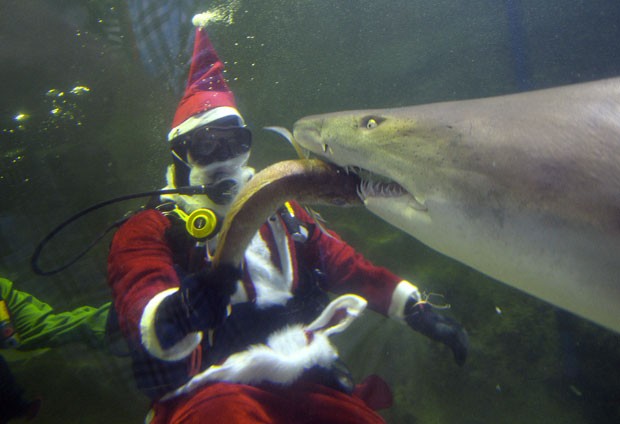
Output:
[[201, 223]]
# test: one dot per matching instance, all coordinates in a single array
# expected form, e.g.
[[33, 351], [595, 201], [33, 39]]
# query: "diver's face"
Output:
[[211, 152], [210, 145], [224, 180], [214, 156], [217, 171]]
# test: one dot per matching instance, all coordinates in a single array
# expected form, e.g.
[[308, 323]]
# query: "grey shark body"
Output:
[[524, 188]]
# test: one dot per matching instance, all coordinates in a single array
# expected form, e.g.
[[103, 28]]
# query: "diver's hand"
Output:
[[200, 303], [422, 318]]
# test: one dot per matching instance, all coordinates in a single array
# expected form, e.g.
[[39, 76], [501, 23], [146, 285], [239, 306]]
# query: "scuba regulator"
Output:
[[200, 224]]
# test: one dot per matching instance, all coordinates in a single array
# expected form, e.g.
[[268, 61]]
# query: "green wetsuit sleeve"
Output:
[[39, 327]]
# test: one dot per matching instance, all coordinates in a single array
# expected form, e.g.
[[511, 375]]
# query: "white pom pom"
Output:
[[202, 19]]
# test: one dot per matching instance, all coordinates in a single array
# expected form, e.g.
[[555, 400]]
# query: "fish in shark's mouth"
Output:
[[308, 181]]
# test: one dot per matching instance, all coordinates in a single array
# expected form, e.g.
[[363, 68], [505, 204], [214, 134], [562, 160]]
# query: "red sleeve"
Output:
[[139, 266], [348, 271]]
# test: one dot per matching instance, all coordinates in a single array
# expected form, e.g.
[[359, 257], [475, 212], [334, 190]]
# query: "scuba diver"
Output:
[[245, 345], [26, 324]]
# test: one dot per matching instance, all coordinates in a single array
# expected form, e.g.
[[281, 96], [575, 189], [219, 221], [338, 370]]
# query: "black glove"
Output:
[[422, 318], [201, 303]]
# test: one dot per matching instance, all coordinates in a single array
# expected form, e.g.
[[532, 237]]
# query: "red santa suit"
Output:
[[271, 362]]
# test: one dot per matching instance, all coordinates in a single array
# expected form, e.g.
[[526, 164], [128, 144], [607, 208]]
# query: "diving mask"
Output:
[[206, 145]]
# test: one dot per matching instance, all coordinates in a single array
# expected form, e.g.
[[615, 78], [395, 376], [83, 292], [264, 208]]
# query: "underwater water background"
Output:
[[63, 149]]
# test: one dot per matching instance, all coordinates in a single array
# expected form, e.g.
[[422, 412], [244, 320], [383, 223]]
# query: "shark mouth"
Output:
[[375, 185], [371, 185]]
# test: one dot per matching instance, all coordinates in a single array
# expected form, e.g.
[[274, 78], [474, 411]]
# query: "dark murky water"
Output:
[[83, 118]]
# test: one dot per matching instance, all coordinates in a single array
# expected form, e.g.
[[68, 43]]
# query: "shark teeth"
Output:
[[373, 185], [380, 189]]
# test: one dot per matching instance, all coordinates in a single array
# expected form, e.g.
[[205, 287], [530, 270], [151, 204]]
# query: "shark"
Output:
[[524, 188]]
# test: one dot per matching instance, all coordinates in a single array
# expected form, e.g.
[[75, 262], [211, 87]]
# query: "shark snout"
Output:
[[307, 131]]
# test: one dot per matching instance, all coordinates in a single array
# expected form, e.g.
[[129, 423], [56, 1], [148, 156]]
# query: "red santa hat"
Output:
[[207, 97]]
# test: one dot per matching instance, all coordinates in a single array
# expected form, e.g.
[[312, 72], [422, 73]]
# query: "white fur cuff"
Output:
[[403, 292], [149, 338]]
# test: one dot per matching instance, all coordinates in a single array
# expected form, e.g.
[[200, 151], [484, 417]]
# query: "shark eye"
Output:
[[371, 122]]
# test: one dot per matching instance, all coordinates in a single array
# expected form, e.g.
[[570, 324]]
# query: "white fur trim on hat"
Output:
[[202, 19], [205, 118]]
